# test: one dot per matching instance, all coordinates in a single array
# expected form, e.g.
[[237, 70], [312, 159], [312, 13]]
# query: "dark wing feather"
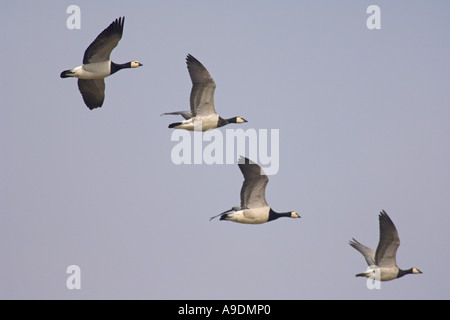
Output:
[[93, 92], [203, 87], [253, 191], [385, 255], [185, 114], [101, 48], [368, 253]]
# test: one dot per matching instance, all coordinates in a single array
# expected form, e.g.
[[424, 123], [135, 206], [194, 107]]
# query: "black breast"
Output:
[[221, 122]]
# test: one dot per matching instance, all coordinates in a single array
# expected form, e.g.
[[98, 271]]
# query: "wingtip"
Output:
[[384, 217], [244, 160], [353, 242], [93, 107], [118, 24], [190, 59]]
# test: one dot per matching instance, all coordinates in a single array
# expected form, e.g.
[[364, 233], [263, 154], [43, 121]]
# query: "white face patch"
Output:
[[240, 120], [294, 215], [135, 64], [416, 271]]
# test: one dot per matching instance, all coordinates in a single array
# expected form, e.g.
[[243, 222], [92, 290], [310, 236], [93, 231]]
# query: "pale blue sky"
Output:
[[364, 120]]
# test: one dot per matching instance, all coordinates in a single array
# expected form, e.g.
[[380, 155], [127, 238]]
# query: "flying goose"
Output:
[[384, 257], [254, 208], [97, 65], [202, 102]]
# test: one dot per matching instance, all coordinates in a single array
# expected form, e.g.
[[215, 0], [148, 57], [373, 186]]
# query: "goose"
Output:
[[254, 208], [201, 101], [97, 65], [384, 257]]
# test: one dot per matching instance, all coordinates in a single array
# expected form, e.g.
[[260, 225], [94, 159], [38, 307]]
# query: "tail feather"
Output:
[[224, 214], [173, 125], [66, 74], [360, 275]]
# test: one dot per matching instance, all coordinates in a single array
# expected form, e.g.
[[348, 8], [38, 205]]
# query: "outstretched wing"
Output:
[[368, 253], [100, 49], [185, 114], [389, 242], [253, 191], [203, 87], [93, 92]]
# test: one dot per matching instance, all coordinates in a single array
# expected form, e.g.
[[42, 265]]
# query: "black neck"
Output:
[[401, 272], [223, 122], [116, 67], [275, 215]]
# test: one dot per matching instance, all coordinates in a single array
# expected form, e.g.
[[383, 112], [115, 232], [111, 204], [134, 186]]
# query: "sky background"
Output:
[[364, 120]]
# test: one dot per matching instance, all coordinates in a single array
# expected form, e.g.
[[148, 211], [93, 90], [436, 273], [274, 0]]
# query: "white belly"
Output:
[[97, 70], [250, 216], [389, 274], [200, 123], [382, 274]]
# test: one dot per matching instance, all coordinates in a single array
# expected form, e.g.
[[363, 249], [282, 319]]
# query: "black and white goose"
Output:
[[202, 102], [97, 65], [383, 261], [254, 208]]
